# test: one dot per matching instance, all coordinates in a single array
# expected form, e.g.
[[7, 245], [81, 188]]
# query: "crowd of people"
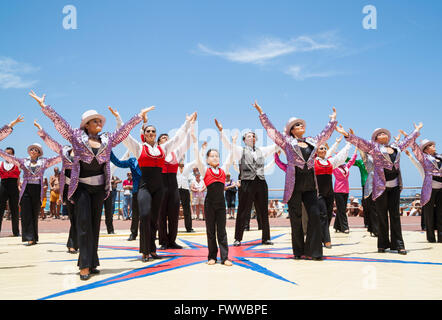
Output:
[[160, 182]]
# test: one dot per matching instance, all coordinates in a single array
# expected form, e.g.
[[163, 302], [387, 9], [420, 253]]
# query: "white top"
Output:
[[237, 150], [7, 166], [172, 145], [184, 176]]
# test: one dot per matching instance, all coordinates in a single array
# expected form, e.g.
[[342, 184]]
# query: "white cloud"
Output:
[[299, 73], [11, 71], [270, 48]]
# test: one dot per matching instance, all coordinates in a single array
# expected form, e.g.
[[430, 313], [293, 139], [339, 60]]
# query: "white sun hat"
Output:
[[89, 115]]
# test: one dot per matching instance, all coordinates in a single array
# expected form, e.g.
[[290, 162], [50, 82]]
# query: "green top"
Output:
[[364, 174]]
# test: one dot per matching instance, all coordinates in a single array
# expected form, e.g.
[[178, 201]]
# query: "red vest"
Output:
[[211, 177], [13, 173], [148, 160], [171, 167], [323, 169]]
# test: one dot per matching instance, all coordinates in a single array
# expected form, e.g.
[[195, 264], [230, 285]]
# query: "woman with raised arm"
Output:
[[151, 158], [170, 207], [431, 194], [67, 161], [215, 204], [300, 180], [387, 182], [90, 177], [32, 192], [10, 175]]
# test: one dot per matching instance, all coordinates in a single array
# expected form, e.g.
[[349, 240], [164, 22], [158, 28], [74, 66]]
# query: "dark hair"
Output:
[[245, 134], [12, 149], [162, 135], [210, 150]]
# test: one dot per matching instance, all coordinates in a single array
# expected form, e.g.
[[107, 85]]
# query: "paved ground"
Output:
[[352, 269]]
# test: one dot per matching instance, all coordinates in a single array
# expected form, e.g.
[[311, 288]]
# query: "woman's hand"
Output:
[[144, 112], [234, 138], [18, 120], [40, 100], [219, 125], [114, 112], [333, 115], [37, 125], [204, 145], [403, 133], [339, 139], [257, 107], [419, 126], [192, 117], [341, 130]]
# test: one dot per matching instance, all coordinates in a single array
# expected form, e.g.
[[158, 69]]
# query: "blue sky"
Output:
[[297, 58]]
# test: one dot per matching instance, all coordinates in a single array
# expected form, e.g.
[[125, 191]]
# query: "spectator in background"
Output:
[[279, 208], [43, 202], [272, 210], [198, 189], [127, 206], [114, 183], [54, 199], [230, 189], [354, 208]]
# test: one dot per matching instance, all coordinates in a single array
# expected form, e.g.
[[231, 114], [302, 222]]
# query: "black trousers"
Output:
[[109, 213], [341, 221], [87, 210], [371, 214], [169, 214], [185, 202], [215, 211], [135, 216], [326, 214], [72, 238], [312, 246], [9, 192], [433, 215], [387, 205], [150, 198], [253, 192], [30, 205]]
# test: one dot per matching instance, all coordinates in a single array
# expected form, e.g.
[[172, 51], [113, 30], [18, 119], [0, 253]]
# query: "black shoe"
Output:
[[145, 258], [85, 277], [237, 243], [402, 251], [317, 258], [191, 230], [163, 247], [72, 251], [94, 271], [174, 246], [111, 232], [297, 257], [267, 242], [132, 238], [381, 250], [347, 231], [155, 256]]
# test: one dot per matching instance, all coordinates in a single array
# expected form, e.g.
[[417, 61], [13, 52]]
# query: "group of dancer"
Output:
[[157, 162]]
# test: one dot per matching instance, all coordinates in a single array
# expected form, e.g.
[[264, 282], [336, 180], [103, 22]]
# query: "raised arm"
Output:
[[53, 161], [10, 158], [334, 147], [352, 160], [342, 155], [199, 160], [416, 163], [328, 130], [274, 134], [7, 129], [179, 136], [48, 140], [61, 125], [408, 140], [361, 144], [235, 149]]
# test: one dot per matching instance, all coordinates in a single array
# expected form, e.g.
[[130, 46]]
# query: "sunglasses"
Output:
[[322, 148], [150, 131], [35, 150]]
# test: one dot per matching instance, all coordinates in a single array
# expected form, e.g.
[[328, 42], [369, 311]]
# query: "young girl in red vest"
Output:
[[215, 205]]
